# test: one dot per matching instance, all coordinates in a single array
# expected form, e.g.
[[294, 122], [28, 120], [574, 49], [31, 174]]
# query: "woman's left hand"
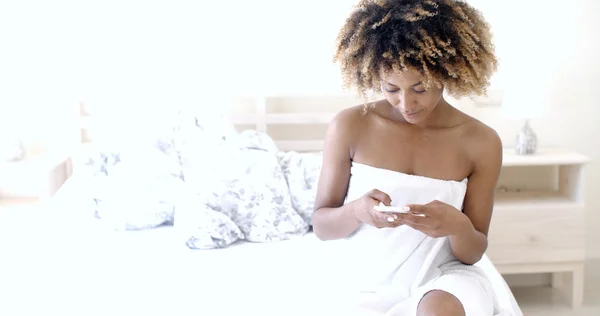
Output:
[[434, 219]]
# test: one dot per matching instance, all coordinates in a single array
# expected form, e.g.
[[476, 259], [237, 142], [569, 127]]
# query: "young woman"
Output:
[[415, 151]]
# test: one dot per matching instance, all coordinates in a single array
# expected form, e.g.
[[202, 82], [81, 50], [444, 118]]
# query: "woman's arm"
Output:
[[470, 244], [331, 218]]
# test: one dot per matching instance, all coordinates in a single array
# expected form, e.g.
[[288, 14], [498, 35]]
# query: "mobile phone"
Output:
[[389, 209], [393, 209]]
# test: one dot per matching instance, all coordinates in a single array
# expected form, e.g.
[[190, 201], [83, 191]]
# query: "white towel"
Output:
[[396, 267]]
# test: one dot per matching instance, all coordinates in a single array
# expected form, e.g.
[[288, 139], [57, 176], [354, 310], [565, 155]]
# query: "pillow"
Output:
[[203, 141], [251, 139], [302, 171], [204, 144], [158, 130], [94, 161], [237, 175], [134, 197], [257, 199], [137, 179], [203, 228]]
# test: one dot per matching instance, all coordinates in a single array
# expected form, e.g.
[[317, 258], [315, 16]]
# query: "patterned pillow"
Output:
[[135, 180], [93, 161], [302, 171], [203, 228], [251, 139], [132, 198], [236, 175], [204, 141], [158, 132], [256, 198]]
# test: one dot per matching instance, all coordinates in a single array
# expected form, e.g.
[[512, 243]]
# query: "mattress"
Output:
[[65, 263]]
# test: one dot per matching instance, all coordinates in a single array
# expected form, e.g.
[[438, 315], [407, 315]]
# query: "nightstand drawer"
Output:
[[537, 235]]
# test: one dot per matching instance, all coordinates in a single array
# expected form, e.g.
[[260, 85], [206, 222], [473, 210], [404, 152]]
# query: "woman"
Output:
[[415, 151]]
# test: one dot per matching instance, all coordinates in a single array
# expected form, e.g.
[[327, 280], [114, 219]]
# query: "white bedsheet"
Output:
[[55, 261]]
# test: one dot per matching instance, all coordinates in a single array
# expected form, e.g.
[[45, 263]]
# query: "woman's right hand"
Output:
[[365, 212]]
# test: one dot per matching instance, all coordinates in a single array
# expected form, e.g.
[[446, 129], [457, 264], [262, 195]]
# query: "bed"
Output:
[[71, 263]]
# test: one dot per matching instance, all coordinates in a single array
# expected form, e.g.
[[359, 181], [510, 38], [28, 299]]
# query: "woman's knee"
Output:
[[440, 303]]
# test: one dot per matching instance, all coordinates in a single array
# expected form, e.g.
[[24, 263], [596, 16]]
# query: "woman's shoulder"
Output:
[[348, 126], [477, 132], [351, 120], [481, 140]]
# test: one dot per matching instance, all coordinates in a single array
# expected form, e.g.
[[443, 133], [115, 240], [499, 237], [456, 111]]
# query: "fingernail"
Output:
[[395, 216], [390, 219], [406, 208]]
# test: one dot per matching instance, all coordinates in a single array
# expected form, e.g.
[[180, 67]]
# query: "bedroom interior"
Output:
[[545, 233]]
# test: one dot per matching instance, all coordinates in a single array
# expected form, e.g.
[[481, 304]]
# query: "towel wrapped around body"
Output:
[[395, 267]]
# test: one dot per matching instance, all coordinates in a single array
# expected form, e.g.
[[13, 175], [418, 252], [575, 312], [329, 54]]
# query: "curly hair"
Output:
[[447, 41]]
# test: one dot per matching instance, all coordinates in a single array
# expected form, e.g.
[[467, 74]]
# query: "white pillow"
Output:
[[257, 199], [237, 175], [204, 143], [302, 171], [251, 139], [203, 228], [134, 178], [131, 199]]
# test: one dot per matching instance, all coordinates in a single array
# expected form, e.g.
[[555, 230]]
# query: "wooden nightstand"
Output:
[[538, 225], [34, 178]]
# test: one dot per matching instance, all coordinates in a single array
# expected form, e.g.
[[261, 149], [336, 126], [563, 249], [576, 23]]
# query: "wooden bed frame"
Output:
[[295, 122], [539, 208]]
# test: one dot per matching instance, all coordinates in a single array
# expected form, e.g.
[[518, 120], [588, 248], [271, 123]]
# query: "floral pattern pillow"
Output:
[[133, 198], [94, 162], [257, 199], [302, 171], [204, 142], [251, 139], [238, 187], [134, 184], [237, 175], [204, 228]]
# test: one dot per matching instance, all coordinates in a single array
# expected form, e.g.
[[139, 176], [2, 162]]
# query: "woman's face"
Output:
[[408, 96]]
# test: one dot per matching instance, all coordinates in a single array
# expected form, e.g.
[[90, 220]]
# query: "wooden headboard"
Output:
[[295, 122]]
